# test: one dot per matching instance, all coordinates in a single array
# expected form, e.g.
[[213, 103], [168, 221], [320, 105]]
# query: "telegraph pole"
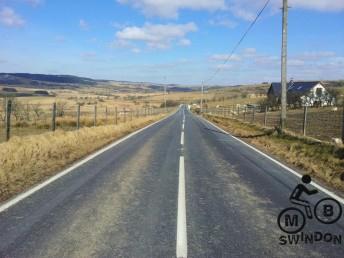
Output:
[[202, 97], [284, 65], [165, 94]]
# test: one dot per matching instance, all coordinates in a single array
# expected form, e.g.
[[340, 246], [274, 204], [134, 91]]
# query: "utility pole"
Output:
[[284, 65], [165, 94], [202, 97]]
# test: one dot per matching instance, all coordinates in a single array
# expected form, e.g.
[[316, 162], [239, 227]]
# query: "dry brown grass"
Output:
[[25, 161], [322, 160]]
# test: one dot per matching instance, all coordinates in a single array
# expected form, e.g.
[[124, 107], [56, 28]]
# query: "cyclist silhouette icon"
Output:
[[292, 219], [295, 196]]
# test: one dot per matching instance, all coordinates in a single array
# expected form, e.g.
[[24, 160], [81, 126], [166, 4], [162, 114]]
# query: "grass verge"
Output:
[[321, 160], [26, 161]]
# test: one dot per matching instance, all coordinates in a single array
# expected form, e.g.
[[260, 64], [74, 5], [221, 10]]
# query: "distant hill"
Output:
[[46, 81], [27, 79]]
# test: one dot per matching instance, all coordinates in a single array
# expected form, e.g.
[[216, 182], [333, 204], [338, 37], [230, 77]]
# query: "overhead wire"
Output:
[[229, 57]]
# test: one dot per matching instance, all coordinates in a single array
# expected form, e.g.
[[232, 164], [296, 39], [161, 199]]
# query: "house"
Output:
[[301, 93]]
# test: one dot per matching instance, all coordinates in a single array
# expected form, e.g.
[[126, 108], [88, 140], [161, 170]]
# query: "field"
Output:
[[321, 123], [34, 114], [322, 160], [25, 161]]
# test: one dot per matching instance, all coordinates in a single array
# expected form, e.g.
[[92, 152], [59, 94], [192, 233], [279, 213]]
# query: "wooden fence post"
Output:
[[131, 115], [8, 119], [116, 116], [53, 118], [238, 111], [106, 114], [95, 116], [343, 124], [265, 115], [254, 114], [78, 117], [304, 125], [245, 110], [125, 115]]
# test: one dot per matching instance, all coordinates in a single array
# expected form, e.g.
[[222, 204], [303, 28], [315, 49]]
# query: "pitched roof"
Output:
[[295, 87]]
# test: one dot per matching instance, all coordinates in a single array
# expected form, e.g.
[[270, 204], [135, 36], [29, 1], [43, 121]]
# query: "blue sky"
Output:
[[180, 41]]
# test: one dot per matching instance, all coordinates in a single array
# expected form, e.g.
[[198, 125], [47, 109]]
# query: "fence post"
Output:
[[8, 119], [116, 116], [125, 116], [343, 124], [106, 114], [304, 125], [53, 118], [265, 115], [95, 116], [245, 113], [238, 111], [78, 117], [253, 114], [131, 115]]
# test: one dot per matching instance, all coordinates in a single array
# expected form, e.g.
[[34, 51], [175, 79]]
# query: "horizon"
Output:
[[176, 84], [171, 43]]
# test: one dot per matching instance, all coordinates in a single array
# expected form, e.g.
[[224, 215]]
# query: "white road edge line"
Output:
[[36, 188], [182, 246], [326, 191], [182, 139]]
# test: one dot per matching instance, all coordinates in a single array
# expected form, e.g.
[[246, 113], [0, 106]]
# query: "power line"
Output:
[[238, 43]]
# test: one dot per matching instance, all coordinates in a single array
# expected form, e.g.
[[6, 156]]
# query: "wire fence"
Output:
[[322, 123], [18, 119]]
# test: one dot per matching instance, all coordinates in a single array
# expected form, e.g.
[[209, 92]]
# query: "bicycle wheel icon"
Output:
[[291, 220], [328, 211]]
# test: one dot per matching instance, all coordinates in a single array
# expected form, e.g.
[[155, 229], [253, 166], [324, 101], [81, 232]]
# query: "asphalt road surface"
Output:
[[179, 188]]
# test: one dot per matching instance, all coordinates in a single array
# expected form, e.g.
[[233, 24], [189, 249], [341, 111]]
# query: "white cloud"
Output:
[[171, 8], [321, 5], [184, 42], [248, 9], [223, 57], [34, 2], [88, 56], [60, 39], [83, 24], [223, 21], [10, 18], [155, 35], [136, 50], [249, 63]]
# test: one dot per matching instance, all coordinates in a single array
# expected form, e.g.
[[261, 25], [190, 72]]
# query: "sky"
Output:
[[165, 41]]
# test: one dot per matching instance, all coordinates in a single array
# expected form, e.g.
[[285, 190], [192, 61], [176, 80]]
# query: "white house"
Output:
[[302, 93]]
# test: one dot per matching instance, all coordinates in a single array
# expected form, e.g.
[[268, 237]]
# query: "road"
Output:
[[174, 189]]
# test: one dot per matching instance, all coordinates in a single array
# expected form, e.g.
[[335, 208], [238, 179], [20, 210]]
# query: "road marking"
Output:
[[324, 190], [31, 191], [182, 246], [182, 139], [183, 126]]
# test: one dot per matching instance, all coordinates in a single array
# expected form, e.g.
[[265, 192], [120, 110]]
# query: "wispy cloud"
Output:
[[171, 8], [60, 39], [247, 9], [83, 24], [314, 65], [10, 18], [136, 50], [159, 36], [223, 21], [34, 2], [89, 56]]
